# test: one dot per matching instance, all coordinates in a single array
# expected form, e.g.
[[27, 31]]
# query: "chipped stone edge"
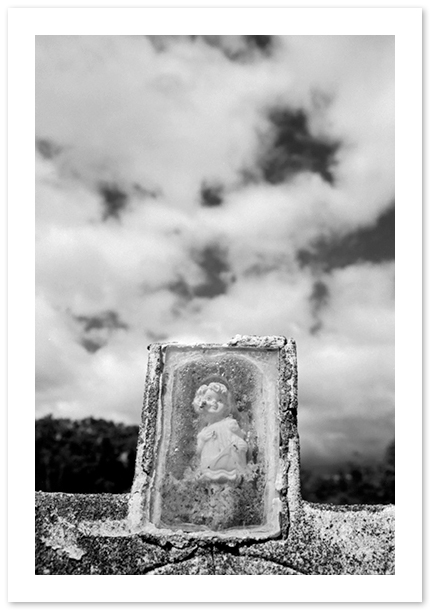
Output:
[[258, 342], [271, 342], [289, 450], [144, 467], [62, 536]]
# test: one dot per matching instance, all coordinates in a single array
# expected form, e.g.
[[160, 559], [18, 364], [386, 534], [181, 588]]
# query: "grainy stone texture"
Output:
[[323, 539], [106, 533]]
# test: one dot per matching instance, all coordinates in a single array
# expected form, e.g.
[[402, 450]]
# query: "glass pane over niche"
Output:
[[218, 441]]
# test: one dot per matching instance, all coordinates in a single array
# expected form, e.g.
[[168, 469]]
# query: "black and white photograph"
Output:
[[192, 188], [215, 281]]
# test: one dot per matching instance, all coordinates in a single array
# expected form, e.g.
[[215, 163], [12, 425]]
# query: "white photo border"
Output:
[[405, 25]]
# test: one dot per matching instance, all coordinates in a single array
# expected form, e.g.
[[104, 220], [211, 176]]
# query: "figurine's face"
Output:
[[212, 403]]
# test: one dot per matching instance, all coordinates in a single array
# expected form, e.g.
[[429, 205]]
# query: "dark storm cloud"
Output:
[[114, 200], [213, 261], [211, 195], [107, 319], [96, 329], [47, 148], [294, 149], [91, 345], [373, 244], [263, 43], [242, 49], [318, 299], [181, 289], [217, 276]]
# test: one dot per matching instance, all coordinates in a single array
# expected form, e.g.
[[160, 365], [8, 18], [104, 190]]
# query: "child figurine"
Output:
[[220, 444]]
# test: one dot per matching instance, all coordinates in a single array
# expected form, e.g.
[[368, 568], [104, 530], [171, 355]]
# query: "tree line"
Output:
[[84, 456], [98, 456]]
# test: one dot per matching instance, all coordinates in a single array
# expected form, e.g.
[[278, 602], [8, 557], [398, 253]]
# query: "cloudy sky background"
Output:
[[193, 188]]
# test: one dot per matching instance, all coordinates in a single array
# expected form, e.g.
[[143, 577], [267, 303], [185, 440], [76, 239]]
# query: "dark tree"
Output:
[[84, 456]]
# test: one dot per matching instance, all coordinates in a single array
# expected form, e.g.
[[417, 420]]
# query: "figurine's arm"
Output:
[[235, 428], [202, 438]]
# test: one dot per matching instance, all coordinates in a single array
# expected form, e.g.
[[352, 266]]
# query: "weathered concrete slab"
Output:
[[324, 540]]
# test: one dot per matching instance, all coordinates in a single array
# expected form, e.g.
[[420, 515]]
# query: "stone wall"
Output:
[[124, 534], [90, 534]]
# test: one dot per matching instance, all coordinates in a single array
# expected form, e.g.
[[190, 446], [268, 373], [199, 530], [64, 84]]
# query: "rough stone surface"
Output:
[[335, 540], [322, 540], [268, 342], [111, 534]]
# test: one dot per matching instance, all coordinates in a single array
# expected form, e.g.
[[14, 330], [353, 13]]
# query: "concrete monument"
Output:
[[217, 481]]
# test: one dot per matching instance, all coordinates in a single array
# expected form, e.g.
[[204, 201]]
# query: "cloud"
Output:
[[346, 378], [294, 149], [156, 209], [98, 329], [372, 243], [164, 121]]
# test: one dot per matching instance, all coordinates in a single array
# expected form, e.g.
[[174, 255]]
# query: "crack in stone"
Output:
[[235, 551], [163, 564], [212, 555], [277, 562]]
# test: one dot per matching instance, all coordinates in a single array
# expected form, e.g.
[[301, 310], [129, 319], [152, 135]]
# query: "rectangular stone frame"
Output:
[[287, 474]]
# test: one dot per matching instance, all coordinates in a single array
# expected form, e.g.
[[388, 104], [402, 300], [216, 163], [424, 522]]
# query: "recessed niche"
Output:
[[217, 451]]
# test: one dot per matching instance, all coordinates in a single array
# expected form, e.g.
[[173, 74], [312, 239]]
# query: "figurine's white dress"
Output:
[[222, 450]]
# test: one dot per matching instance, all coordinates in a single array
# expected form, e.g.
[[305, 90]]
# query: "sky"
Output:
[[191, 188]]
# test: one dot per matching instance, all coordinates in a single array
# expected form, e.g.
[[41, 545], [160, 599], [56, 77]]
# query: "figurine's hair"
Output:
[[219, 388]]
